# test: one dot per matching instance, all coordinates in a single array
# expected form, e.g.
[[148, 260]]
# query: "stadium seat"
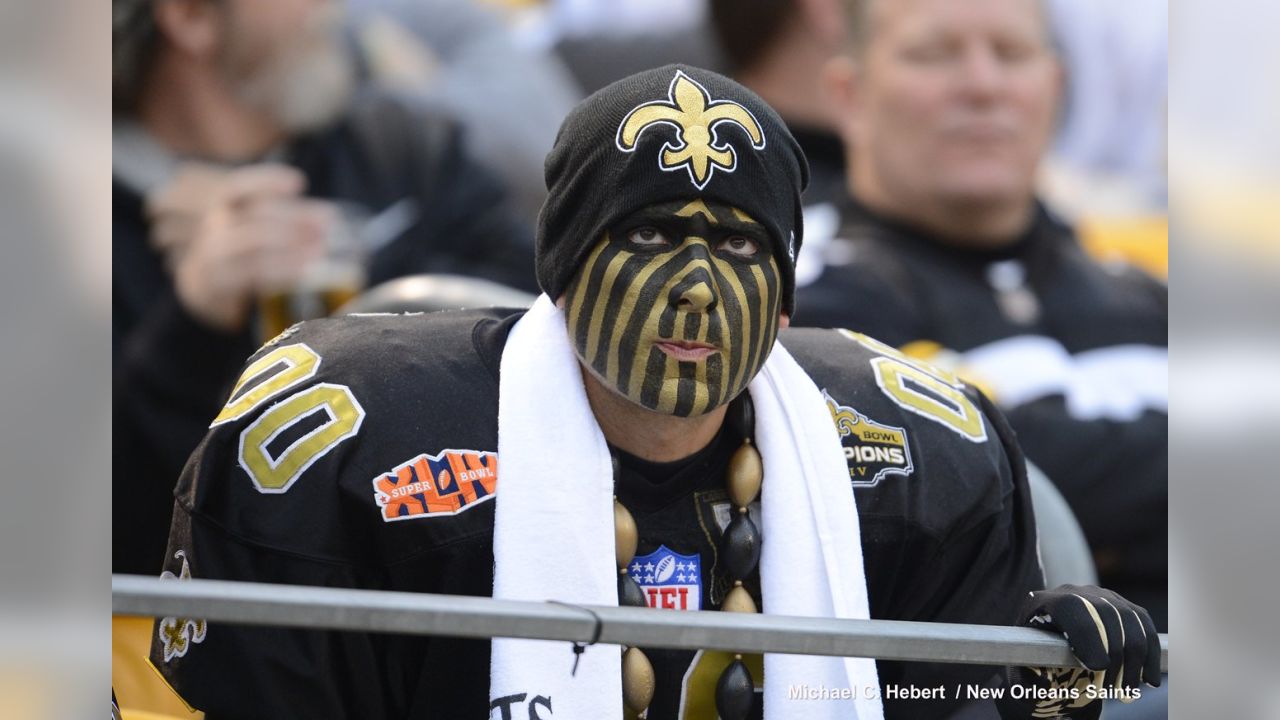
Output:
[[1064, 553]]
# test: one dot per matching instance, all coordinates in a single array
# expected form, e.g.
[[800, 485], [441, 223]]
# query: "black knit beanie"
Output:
[[662, 135]]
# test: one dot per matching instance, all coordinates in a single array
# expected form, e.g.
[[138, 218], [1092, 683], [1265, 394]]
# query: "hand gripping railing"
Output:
[[482, 617]]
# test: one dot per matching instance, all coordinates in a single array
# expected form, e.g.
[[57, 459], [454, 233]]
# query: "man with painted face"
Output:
[[687, 357], [662, 442]]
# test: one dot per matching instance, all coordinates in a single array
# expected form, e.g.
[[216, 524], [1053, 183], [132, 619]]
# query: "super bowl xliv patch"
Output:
[[669, 580], [447, 483], [874, 450]]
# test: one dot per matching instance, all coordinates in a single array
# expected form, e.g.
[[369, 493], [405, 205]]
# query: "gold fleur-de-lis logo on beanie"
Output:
[[695, 116]]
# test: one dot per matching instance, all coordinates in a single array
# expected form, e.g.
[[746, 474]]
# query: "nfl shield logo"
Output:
[[669, 579]]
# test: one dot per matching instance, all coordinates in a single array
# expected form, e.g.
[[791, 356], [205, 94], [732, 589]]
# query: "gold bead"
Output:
[[738, 600], [637, 680], [625, 534], [746, 472]]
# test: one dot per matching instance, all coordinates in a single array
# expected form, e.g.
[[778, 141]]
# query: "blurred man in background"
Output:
[[946, 109], [243, 150], [779, 48], [236, 130]]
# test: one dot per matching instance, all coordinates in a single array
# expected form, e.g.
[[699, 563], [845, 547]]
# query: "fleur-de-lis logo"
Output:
[[845, 418], [695, 116], [178, 633]]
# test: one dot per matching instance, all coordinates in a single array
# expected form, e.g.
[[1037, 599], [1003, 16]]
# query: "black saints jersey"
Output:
[[1073, 350], [361, 452]]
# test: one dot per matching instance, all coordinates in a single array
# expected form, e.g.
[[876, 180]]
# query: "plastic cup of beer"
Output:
[[328, 282]]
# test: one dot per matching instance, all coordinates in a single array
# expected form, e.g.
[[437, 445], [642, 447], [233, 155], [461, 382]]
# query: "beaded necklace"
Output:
[[740, 548]]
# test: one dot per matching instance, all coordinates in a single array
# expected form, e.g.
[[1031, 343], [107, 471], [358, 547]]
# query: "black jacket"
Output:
[[1073, 350]]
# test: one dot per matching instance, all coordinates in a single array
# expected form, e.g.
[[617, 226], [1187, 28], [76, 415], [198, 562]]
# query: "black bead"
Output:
[[742, 416], [630, 594], [740, 546], [735, 692]]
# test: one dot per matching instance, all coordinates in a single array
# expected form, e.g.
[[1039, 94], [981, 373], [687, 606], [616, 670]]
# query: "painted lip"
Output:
[[687, 350]]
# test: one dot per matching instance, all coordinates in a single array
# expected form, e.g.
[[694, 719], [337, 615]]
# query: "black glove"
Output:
[[1112, 637]]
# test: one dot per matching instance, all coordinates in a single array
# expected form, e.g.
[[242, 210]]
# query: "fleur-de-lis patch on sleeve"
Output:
[[178, 633], [695, 117]]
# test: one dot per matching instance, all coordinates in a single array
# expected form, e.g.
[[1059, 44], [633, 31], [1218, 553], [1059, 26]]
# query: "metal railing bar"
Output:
[[482, 617]]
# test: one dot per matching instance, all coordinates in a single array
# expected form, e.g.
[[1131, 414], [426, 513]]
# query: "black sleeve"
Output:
[[475, 215], [467, 220], [978, 574], [239, 516], [1114, 474], [870, 295], [226, 526], [244, 671], [169, 376]]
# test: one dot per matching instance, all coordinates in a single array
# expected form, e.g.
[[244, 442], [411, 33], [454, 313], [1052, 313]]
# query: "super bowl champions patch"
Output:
[[874, 450], [448, 483], [669, 580]]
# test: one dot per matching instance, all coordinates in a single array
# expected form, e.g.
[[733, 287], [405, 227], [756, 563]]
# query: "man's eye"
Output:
[[740, 245], [647, 236]]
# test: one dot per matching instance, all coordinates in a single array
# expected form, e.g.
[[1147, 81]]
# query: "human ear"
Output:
[[840, 80]]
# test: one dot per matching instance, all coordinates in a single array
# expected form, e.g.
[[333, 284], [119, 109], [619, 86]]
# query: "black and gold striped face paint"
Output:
[[677, 305]]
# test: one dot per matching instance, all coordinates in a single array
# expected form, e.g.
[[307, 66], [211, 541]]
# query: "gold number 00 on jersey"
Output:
[[279, 370], [942, 403], [277, 475], [942, 400], [292, 364]]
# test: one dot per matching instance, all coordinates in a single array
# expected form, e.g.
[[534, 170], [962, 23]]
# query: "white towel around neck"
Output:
[[553, 534]]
